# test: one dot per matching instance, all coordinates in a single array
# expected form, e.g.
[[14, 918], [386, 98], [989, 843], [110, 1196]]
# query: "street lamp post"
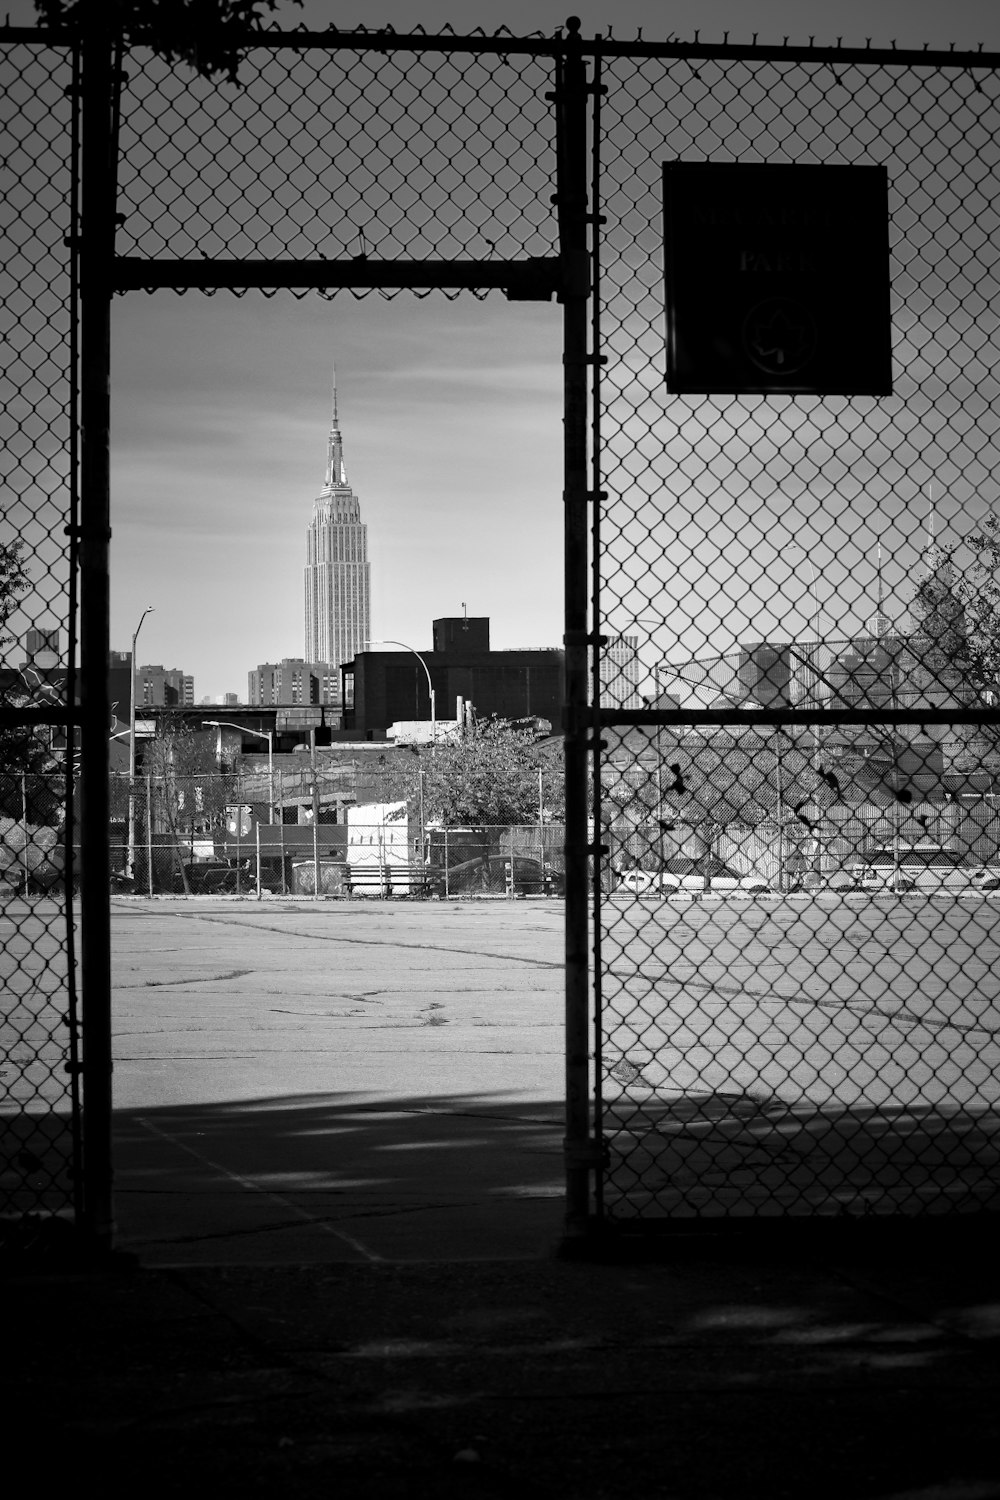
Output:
[[817, 738], [659, 767], [261, 734], [430, 685], [131, 750], [815, 665]]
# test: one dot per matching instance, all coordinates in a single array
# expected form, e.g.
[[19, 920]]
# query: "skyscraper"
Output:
[[336, 574], [619, 672]]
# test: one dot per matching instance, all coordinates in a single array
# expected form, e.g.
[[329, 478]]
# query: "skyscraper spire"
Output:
[[336, 474], [880, 624]]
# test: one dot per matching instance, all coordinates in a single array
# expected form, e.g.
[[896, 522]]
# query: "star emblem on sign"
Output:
[[779, 335]]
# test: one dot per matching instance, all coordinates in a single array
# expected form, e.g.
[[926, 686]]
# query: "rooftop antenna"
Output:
[[880, 623], [336, 473]]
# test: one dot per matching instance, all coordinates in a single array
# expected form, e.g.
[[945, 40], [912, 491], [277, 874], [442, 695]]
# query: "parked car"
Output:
[[921, 867], [819, 883], [683, 874], [840, 880]]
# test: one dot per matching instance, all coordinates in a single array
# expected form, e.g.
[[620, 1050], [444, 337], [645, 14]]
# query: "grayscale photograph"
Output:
[[500, 747]]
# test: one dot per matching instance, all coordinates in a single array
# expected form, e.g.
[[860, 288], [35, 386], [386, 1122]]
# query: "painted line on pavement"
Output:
[[255, 1187]]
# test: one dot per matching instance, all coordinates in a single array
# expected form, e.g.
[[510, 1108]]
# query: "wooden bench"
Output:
[[388, 880]]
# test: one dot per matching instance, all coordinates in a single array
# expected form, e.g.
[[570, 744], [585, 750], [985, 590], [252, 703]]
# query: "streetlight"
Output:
[[261, 734], [815, 621], [131, 750], [430, 685], [817, 736]]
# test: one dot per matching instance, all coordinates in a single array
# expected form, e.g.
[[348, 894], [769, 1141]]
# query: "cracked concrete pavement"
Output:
[[344, 1081]]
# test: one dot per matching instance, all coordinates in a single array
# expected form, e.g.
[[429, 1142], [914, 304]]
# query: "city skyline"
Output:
[[431, 545], [455, 419]]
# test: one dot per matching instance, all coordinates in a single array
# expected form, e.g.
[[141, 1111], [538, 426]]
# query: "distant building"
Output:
[[120, 685], [41, 677], [293, 681], [158, 686], [619, 672], [761, 674], [462, 635], [382, 688], [41, 649], [337, 583]]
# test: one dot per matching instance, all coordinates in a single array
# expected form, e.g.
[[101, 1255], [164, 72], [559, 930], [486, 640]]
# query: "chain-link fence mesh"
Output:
[[799, 921], [303, 833], [38, 1061], [331, 153]]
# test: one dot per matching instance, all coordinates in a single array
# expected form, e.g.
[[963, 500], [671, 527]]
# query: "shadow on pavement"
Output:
[[708, 1376], [731, 1153], [346, 1295], [340, 1176]]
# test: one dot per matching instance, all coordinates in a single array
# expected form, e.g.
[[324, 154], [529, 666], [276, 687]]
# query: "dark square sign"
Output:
[[777, 279]]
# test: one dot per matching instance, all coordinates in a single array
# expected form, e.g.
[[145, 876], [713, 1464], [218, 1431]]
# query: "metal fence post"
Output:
[[281, 831], [571, 125], [149, 832], [24, 833], [315, 813], [98, 174]]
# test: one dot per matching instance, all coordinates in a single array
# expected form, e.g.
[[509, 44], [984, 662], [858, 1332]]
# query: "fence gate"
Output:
[[331, 161], [797, 925], [41, 1181]]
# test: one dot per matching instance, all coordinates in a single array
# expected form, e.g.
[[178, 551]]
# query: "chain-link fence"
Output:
[[303, 834], [39, 1114], [793, 625], [337, 153], [798, 922]]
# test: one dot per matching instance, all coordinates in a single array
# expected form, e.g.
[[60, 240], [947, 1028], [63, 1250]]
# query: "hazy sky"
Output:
[[451, 411]]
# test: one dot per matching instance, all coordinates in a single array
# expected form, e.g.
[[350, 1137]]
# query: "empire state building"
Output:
[[336, 574]]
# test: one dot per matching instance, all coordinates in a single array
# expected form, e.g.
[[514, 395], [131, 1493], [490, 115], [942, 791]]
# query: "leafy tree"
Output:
[[952, 622], [203, 33], [975, 592], [188, 793], [956, 614], [14, 582], [488, 778], [27, 764], [747, 776]]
